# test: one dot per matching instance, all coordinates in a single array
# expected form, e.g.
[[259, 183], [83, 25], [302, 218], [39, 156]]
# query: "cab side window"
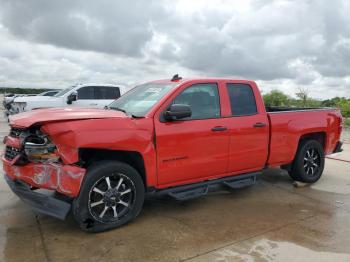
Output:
[[242, 100], [86, 92], [106, 92], [203, 99]]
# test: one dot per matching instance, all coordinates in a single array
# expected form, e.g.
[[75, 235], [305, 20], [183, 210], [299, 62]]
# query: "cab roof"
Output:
[[199, 79]]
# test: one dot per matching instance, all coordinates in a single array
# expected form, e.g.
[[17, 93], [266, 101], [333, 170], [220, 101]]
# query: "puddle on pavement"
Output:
[[268, 250]]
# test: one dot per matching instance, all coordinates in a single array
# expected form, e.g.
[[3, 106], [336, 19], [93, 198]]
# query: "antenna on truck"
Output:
[[176, 78]]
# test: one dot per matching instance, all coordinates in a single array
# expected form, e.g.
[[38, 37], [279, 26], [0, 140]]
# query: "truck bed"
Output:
[[289, 125], [271, 109]]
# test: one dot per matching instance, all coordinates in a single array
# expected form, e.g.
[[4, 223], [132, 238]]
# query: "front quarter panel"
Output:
[[125, 134]]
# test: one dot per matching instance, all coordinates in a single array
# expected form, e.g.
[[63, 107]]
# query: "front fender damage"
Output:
[[65, 142]]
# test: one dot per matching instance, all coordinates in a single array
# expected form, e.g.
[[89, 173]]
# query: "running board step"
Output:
[[191, 191], [240, 183]]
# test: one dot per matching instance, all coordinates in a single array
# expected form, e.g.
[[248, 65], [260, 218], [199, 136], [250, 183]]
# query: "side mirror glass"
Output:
[[177, 111], [72, 97]]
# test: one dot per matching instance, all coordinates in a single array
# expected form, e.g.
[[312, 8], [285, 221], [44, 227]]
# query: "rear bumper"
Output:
[[42, 203], [338, 147]]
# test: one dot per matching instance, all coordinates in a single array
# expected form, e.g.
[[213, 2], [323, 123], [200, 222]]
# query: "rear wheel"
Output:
[[309, 161], [112, 194]]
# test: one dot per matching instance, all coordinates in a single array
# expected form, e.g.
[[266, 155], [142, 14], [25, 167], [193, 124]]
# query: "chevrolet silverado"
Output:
[[168, 138]]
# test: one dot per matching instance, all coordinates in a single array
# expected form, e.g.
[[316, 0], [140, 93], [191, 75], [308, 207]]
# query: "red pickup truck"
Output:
[[175, 138]]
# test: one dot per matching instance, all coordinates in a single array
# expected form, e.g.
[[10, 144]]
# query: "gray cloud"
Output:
[[116, 27], [291, 43]]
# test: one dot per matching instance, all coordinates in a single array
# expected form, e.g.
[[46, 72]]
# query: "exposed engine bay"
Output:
[[39, 148], [32, 157], [35, 147]]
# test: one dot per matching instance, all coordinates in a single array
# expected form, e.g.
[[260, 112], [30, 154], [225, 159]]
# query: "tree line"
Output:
[[17, 90], [278, 98]]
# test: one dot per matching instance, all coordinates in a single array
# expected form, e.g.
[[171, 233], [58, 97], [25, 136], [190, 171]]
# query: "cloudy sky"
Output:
[[282, 45]]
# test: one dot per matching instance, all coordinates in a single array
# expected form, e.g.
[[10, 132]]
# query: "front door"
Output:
[[86, 97], [197, 147]]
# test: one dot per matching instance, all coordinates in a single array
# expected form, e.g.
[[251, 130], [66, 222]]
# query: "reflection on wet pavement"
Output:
[[268, 250]]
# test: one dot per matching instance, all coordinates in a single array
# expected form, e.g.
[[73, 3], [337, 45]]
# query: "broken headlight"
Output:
[[39, 148]]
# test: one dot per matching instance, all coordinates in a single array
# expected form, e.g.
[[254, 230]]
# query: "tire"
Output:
[[308, 163], [111, 195]]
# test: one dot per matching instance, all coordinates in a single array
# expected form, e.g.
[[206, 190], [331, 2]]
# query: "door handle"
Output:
[[257, 125], [93, 104], [219, 128]]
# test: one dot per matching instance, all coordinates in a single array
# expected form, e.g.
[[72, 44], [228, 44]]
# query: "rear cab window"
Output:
[[107, 92], [99, 92], [242, 99]]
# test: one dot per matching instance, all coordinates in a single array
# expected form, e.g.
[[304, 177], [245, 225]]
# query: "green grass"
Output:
[[347, 122]]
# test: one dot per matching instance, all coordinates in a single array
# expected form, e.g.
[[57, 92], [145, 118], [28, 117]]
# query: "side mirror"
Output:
[[72, 97], [177, 111]]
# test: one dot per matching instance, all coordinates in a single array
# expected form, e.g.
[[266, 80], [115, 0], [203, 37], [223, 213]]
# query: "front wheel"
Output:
[[309, 161], [111, 195]]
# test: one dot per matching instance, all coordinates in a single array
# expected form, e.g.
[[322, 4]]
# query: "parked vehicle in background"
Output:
[[9, 98], [174, 138], [83, 95], [49, 93]]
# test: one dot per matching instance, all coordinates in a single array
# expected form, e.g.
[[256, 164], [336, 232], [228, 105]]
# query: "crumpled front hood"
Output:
[[40, 116]]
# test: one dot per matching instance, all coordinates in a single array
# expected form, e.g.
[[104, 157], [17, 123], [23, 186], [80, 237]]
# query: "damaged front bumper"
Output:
[[42, 203], [31, 162], [65, 179]]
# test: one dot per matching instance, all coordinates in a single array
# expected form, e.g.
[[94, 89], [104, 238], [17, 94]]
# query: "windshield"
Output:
[[64, 91], [139, 100]]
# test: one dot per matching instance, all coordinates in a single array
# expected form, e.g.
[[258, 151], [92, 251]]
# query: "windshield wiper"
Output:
[[117, 108], [124, 111], [135, 116]]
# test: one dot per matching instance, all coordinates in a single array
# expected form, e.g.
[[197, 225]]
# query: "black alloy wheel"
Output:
[[111, 198], [308, 163], [111, 195], [312, 162]]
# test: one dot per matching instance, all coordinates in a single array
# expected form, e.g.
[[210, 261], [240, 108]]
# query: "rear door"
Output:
[[197, 147], [248, 127]]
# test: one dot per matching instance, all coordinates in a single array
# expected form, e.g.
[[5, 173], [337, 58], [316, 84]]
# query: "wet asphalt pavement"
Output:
[[271, 221]]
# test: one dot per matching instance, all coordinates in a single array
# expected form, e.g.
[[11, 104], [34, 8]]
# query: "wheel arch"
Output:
[[88, 156], [318, 136]]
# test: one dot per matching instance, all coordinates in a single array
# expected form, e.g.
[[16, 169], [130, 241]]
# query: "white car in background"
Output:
[[82, 95], [9, 98], [49, 93]]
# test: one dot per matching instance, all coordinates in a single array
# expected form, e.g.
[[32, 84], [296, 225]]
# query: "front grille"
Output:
[[11, 152], [16, 132]]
